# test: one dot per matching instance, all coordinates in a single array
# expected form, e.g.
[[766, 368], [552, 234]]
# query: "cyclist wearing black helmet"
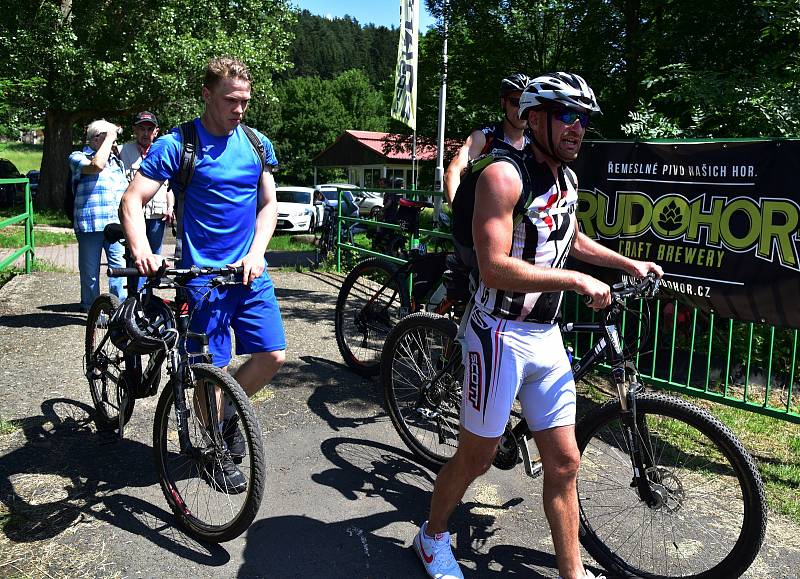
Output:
[[510, 130], [511, 343]]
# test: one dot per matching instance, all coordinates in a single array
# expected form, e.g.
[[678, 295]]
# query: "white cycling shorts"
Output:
[[506, 359]]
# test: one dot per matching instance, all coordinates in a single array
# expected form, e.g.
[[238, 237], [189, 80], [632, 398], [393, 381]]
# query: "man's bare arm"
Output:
[[139, 192], [592, 252], [471, 148]]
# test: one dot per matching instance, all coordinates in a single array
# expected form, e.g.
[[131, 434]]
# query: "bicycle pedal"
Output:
[[532, 464]]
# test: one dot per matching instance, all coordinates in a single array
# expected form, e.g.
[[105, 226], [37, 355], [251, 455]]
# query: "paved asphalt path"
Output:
[[343, 497]]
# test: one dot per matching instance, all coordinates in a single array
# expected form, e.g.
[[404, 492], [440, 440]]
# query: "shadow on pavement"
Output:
[[353, 547], [67, 474]]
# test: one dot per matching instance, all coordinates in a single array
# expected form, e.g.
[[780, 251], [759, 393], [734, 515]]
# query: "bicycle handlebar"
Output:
[[645, 288], [190, 273]]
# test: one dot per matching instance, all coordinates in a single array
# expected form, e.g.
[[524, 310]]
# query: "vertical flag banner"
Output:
[[404, 105]]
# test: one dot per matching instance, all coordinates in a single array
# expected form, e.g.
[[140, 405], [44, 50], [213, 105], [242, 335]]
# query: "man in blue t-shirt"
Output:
[[229, 216]]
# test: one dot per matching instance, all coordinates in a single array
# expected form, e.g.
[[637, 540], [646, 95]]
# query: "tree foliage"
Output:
[[112, 59], [309, 113], [720, 68], [328, 47]]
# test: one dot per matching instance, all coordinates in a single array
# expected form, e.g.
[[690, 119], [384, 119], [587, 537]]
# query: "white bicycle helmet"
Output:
[[558, 88]]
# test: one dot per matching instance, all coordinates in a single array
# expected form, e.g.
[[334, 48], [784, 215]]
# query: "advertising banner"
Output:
[[404, 104], [721, 218]]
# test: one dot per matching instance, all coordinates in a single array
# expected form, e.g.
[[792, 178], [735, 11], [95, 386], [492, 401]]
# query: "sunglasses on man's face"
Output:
[[514, 101], [569, 117]]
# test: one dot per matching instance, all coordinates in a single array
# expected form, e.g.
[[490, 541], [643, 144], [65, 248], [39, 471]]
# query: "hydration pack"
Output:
[[464, 201]]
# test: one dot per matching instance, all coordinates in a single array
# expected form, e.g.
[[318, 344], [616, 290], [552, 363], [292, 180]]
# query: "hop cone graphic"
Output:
[[671, 217]]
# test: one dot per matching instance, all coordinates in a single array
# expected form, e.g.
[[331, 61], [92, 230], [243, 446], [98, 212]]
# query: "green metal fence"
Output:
[[740, 364], [26, 218]]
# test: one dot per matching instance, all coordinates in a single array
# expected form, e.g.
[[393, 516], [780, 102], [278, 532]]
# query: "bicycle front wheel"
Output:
[[105, 368], [709, 516], [371, 301], [214, 481], [422, 376]]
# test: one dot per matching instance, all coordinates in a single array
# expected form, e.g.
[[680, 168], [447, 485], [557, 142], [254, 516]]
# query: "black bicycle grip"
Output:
[[122, 272]]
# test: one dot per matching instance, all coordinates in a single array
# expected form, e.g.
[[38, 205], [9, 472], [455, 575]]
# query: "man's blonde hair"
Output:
[[225, 67]]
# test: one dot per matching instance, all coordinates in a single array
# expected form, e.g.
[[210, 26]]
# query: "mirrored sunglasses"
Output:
[[569, 117]]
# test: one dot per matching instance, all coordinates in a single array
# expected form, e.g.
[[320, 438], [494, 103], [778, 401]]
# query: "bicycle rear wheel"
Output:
[[105, 368], [422, 376], [209, 505], [371, 301], [709, 519]]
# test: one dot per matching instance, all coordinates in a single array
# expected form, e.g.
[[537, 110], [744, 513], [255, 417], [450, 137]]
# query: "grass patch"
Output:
[[25, 157], [14, 237], [8, 426], [290, 242], [50, 217], [774, 443]]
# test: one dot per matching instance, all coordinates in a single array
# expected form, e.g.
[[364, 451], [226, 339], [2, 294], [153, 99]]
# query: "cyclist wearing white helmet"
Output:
[[511, 344], [510, 130]]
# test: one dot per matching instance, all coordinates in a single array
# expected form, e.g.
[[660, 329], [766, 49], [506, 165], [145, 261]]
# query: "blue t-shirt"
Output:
[[219, 207]]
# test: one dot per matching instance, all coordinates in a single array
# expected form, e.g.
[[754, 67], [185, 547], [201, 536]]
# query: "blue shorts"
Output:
[[252, 313]]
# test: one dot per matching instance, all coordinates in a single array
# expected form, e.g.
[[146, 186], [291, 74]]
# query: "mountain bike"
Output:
[[327, 235], [665, 489], [377, 293], [194, 450]]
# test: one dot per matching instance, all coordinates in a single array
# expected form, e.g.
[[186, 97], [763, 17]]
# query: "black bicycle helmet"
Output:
[[558, 89], [515, 82], [135, 330]]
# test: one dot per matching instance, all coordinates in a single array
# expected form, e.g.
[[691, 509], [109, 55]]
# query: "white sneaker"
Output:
[[436, 555], [590, 575]]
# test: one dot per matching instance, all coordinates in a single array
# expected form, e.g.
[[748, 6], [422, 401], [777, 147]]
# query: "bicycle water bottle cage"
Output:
[[137, 330]]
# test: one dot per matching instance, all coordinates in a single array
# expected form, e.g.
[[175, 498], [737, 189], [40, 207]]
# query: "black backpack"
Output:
[[464, 202]]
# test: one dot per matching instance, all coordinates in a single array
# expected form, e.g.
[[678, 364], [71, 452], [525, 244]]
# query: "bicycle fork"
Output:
[[637, 438]]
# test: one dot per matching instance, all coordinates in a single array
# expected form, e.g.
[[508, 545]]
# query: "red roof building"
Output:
[[370, 155]]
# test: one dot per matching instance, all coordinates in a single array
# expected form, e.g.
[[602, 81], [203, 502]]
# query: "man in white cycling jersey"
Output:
[[512, 344], [510, 130]]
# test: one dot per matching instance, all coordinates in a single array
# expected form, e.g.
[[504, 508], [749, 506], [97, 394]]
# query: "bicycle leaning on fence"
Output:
[[665, 489], [205, 428], [377, 293]]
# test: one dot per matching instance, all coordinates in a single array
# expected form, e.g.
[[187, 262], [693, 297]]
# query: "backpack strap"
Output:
[[516, 160], [189, 147], [258, 146]]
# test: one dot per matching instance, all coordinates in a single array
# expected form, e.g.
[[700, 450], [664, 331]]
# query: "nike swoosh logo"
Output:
[[428, 558]]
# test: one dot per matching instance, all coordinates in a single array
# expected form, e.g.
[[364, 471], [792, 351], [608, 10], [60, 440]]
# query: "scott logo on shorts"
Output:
[[474, 384]]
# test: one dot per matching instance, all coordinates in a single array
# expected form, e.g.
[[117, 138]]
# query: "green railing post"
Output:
[[26, 218]]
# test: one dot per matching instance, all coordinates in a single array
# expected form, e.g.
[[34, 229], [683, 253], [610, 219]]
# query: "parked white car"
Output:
[[330, 191], [370, 203], [296, 209]]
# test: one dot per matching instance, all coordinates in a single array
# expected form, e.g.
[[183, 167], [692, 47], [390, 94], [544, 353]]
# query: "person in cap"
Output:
[[160, 210], [510, 130], [98, 182], [512, 346]]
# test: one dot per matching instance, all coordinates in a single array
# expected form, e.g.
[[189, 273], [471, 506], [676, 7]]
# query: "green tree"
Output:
[[310, 113], [112, 59]]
